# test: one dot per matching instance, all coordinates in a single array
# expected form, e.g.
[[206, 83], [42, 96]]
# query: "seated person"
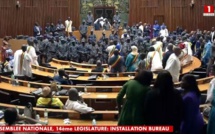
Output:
[[99, 67], [59, 78], [6, 66], [75, 102], [11, 117], [48, 100]]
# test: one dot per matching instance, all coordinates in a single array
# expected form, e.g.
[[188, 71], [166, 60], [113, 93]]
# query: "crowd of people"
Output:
[[142, 48], [161, 104]]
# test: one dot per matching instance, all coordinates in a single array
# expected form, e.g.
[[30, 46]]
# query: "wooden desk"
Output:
[[88, 67], [111, 81]]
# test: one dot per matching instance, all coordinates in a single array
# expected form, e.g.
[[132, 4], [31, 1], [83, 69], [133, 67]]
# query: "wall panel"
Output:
[[21, 21], [175, 13]]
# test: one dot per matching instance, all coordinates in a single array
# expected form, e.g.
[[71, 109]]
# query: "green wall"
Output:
[[121, 5]]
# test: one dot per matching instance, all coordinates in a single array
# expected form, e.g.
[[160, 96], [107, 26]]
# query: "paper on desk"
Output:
[[101, 96]]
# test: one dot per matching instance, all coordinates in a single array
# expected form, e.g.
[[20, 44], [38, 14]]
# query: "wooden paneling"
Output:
[[21, 21], [175, 13]]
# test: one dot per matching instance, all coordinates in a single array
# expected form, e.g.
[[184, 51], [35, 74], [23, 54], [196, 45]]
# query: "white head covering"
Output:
[[134, 48]]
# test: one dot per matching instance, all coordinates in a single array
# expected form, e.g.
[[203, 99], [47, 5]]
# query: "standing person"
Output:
[[212, 35], [142, 62], [211, 99], [68, 25], [173, 64], [135, 90], [192, 119], [163, 104], [167, 54], [116, 62], [4, 48], [22, 63], [31, 51], [83, 30], [206, 52], [153, 61], [37, 29], [60, 27], [156, 29], [132, 60], [90, 18], [116, 17]]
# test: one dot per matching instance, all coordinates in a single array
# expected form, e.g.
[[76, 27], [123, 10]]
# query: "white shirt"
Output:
[[173, 65], [210, 91], [212, 35], [16, 67], [32, 52], [164, 33], [78, 106], [159, 48], [156, 63], [187, 51], [141, 27], [122, 36], [68, 25], [27, 70]]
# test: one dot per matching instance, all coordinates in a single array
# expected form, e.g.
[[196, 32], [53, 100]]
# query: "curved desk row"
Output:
[[106, 115], [97, 100], [196, 63]]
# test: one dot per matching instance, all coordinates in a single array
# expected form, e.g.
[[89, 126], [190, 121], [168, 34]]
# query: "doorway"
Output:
[[105, 12]]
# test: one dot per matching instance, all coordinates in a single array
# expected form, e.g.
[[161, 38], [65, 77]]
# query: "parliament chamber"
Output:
[[81, 60]]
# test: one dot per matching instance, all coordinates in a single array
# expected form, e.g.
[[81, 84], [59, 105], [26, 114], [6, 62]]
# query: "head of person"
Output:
[[212, 29], [91, 32], [164, 82], [30, 41], [156, 22], [151, 49], [36, 24], [24, 48], [170, 47], [177, 51], [10, 116], [144, 77], [134, 49], [73, 94], [142, 56], [99, 63], [61, 72], [189, 84], [117, 12], [83, 22], [69, 18], [47, 92], [89, 12], [116, 52], [59, 21]]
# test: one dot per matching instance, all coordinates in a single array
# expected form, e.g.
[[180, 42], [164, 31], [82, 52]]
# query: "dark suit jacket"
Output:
[[166, 57]]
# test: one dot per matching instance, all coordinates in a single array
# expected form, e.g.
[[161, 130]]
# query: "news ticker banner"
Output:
[[86, 129]]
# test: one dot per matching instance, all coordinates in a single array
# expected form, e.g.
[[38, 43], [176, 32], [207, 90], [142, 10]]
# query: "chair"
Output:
[[203, 98], [46, 106], [200, 69], [6, 98], [70, 69], [200, 73], [25, 99]]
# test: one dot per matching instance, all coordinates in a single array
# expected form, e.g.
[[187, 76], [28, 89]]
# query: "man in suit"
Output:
[[60, 78], [167, 54], [99, 67]]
